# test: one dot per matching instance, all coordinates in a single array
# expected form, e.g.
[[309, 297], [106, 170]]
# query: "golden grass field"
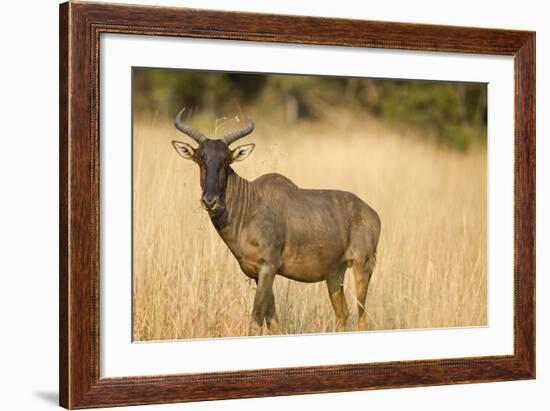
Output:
[[431, 267]]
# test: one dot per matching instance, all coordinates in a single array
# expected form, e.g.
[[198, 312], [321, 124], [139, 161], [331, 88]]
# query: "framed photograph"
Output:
[[259, 205]]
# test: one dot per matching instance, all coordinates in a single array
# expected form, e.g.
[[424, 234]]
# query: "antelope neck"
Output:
[[240, 197]]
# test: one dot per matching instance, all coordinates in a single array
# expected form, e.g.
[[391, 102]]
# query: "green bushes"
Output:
[[450, 113]]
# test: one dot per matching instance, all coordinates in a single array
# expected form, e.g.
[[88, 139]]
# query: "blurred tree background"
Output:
[[448, 113]]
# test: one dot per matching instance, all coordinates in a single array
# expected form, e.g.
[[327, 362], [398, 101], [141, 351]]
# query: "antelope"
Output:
[[273, 227]]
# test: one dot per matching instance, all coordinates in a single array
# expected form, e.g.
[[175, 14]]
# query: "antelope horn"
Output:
[[184, 128], [235, 135]]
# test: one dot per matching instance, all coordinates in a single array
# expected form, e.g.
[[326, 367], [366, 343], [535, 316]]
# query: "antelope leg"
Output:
[[363, 272], [338, 300], [271, 318], [262, 300]]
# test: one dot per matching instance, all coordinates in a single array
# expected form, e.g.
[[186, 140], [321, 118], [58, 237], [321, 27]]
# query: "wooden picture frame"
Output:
[[81, 24]]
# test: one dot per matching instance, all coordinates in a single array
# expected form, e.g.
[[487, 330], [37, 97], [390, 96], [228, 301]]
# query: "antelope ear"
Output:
[[184, 150], [242, 152]]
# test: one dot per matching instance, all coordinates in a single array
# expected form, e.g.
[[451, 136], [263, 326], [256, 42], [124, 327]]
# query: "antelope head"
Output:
[[214, 158]]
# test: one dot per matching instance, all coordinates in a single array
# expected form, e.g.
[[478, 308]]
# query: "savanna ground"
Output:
[[431, 262]]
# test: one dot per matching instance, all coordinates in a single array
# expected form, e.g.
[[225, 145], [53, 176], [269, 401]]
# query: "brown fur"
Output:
[[273, 227]]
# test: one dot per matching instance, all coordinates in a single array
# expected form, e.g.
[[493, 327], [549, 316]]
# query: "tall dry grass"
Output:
[[431, 269]]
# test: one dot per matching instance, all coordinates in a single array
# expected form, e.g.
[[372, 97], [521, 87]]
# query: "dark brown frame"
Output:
[[80, 27]]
